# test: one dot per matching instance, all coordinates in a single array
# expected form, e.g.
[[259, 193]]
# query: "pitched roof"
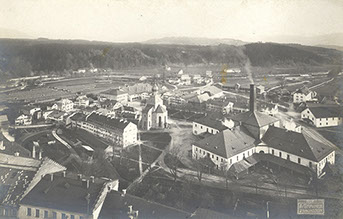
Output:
[[303, 90], [116, 206], [326, 111], [160, 109], [227, 143], [107, 121], [199, 98], [12, 185], [212, 90], [295, 143], [78, 117], [64, 193], [255, 118], [212, 122]]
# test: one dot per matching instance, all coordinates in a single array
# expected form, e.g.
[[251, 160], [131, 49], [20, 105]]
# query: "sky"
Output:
[[140, 20]]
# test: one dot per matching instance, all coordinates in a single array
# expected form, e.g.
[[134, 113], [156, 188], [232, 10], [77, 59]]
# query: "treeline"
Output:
[[33, 57]]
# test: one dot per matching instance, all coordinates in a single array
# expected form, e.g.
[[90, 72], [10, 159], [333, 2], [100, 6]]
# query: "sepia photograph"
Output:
[[171, 109]]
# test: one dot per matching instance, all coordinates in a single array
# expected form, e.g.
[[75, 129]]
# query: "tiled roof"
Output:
[[64, 193], [78, 117], [326, 111], [13, 184], [227, 143], [116, 206], [295, 143], [212, 122], [107, 121], [255, 118]]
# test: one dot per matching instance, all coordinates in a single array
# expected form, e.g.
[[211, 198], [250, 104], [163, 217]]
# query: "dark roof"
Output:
[[227, 143], [283, 163], [64, 193], [107, 121], [129, 108], [9, 191], [326, 111], [218, 102], [78, 117], [299, 144], [116, 206], [255, 118], [212, 121]]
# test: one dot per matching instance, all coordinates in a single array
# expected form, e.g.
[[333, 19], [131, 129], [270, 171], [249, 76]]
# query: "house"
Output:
[[118, 131], [211, 124], [138, 91], [19, 175], [66, 195], [291, 126], [299, 148], [225, 148], [220, 105], [65, 105], [185, 79], [255, 122], [269, 108], [23, 120], [82, 101], [260, 89], [55, 115], [154, 114], [323, 115], [180, 72], [116, 94], [303, 95], [197, 79], [111, 104], [208, 74]]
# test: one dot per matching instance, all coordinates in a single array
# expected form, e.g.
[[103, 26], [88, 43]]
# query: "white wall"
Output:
[[200, 128]]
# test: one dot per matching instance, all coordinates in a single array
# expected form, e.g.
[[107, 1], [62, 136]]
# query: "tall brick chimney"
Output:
[[252, 102]]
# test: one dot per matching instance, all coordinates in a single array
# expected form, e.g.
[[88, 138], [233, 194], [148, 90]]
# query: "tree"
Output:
[[172, 160]]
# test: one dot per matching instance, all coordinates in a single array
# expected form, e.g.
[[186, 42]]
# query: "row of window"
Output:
[[289, 157], [46, 214], [221, 159]]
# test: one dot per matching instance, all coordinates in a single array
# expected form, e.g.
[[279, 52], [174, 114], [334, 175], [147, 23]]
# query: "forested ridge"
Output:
[[31, 57]]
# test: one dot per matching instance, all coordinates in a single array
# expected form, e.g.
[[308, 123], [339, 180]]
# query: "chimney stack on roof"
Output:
[[52, 177], [252, 101], [92, 179], [124, 192]]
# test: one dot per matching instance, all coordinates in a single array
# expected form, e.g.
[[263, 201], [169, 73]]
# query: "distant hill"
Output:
[[200, 41], [326, 40], [20, 57]]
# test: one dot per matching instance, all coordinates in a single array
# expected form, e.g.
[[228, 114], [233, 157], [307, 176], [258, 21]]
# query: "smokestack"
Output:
[[51, 177], [252, 102]]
